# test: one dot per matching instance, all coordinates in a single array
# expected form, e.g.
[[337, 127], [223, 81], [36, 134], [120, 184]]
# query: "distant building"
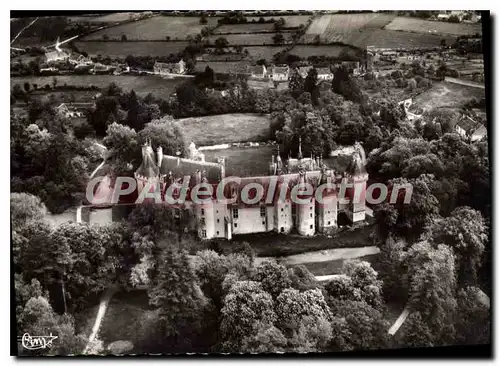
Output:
[[56, 56], [279, 73], [353, 67], [468, 128], [68, 112], [165, 68], [324, 73], [258, 71], [304, 70]]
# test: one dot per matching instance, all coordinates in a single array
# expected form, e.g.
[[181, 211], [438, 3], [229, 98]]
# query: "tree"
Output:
[[262, 104], [124, 38], [466, 233], [165, 133], [311, 85], [474, 317], [264, 338], [203, 19], [416, 333], [273, 277], [278, 38], [245, 305], [317, 40], [25, 207], [27, 87], [178, 299], [221, 43], [344, 85], [123, 147], [296, 83]]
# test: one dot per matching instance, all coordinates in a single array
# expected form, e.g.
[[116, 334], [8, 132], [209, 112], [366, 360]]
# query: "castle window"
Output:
[[311, 215], [282, 229], [217, 233], [203, 233], [310, 207], [281, 209], [203, 211], [263, 211], [218, 220], [202, 221], [235, 213], [235, 224], [264, 223], [328, 222], [310, 226]]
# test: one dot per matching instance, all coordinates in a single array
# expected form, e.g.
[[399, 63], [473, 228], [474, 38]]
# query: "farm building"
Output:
[[258, 71], [56, 56], [279, 73], [68, 112], [469, 128], [163, 68]]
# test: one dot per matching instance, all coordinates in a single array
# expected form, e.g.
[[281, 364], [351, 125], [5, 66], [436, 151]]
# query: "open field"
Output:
[[244, 161], [335, 266], [337, 27], [123, 49], [265, 52], [143, 85], [291, 21], [305, 51], [381, 38], [245, 28], [416, 25], [250, 39], [446, 94], [226, 128], [108, 18], [231, 67], [155, 28]]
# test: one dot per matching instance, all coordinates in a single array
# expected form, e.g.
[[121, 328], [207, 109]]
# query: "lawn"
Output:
[[249, 39], [306, 51], [244, 161], [382, 38], [123, 49], [416, 25], [446, 94], [221, 67], [225, 128], [143, 85], [335, 267], [155, 28]]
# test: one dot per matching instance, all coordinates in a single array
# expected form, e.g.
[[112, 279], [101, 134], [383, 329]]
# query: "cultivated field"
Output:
[[249, 39], [244, 161], [448, 95], [245, 28], [416, 25], [337, 27], [231, 67], [226, 128], [381, 38], [123, 49], [305, 51], [155, 28], [142, 85], [291, 21], [265, 52]]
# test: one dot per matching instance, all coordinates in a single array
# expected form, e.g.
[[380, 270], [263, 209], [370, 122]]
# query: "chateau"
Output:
[[216, 219]]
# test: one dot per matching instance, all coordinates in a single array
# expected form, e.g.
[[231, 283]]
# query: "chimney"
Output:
[[159, 155]]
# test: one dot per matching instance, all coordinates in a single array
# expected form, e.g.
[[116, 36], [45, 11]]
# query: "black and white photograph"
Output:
[[251, 182]]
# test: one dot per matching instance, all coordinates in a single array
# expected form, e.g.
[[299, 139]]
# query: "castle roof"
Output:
[[181, 167], [356, 166]]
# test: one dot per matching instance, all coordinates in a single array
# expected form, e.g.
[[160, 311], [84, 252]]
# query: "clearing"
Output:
[[264, 52], [123, 49], [446, 94], [416, 25], [256, 39], [222, 67], [155, 28], [226, 128], [142, 85]]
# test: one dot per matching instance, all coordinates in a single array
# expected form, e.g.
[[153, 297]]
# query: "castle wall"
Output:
[[327, 215], [205, 220], [271, 218], [250, 220], [101, 216], [219, 217]]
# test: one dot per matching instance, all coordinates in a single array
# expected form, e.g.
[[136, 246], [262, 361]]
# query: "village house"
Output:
[[56, 56], [68, 112], [258, 71], [469, 128], [164, 68], [303, 71], [324, 73], [279, 73]]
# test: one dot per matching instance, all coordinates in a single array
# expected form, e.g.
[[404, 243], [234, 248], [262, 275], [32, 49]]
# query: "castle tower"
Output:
[[357, 176], [205, 213], [300, 149], [283, 209], [327, 209], [305, 211], [148, 171]]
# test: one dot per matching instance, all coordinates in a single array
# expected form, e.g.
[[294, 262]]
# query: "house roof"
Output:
[[280, 70], [481, 131], [304, 69], [259, 69], [324, 71], [56, 54], [467, 123], [181, 167]]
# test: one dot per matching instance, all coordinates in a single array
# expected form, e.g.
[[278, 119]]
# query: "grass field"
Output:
[[225, 128], [108, 18], [305, 51], [244, 161], [381, 38], [249, 39], [245, 28], [265, 52], [338, 27], [291, 21], [155, 28], [445, 94], [230, 67], [335, 266], [123, 49], [416, 25], [143, 85]]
